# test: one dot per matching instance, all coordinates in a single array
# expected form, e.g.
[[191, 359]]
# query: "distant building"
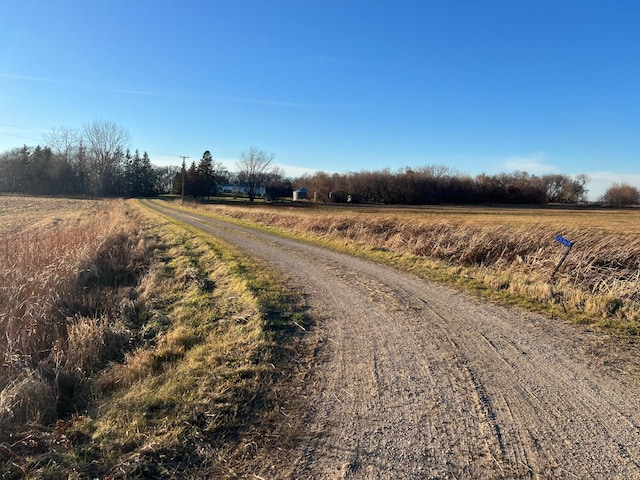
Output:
[[299, 194], [240, 189]]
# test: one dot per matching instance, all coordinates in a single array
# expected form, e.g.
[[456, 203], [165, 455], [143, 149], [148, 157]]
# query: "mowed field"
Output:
[[132, 346]]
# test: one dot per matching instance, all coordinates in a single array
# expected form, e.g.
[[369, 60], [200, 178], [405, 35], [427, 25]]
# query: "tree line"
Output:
[[256, 176], [202, 179], [97, 162], [439, 184]]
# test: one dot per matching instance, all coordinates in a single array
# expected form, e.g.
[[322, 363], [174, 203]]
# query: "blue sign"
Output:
[[564, 241]]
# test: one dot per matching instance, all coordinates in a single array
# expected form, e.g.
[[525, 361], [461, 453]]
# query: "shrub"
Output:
[[620, 194]]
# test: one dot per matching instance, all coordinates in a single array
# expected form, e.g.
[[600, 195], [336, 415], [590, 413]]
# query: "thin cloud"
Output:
[[158, 92], [599, 182], [296, 170], [137, 92], [102, 86], [533, 163], [275, 103], [10, 130], [631, 178], [14, 76]]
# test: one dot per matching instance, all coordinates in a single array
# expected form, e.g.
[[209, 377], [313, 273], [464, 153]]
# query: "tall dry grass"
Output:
[[199, 334], [599, 279], [62, 267]]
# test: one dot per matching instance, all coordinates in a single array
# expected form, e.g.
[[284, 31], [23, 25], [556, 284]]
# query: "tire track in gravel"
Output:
[[412, 380]]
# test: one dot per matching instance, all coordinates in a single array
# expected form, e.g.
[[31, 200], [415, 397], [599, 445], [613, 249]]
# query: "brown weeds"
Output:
[[62, 264], [509, 251], [144, 358]]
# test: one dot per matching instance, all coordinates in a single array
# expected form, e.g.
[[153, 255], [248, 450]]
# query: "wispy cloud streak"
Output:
[[14, 76], [274, 103], [75, 83], [9, 130], [158, 93]]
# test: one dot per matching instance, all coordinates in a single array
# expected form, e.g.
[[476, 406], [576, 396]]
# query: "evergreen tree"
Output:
[[206, 185], [147, 177]]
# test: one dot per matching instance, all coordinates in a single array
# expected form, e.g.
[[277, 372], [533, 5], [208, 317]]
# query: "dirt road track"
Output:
[[412, 380]]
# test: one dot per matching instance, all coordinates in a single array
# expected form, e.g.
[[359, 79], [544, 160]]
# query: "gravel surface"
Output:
[[402, 378]]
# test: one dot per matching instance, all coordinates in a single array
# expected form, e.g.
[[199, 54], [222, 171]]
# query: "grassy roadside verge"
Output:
[[218, 349], [209, 332], [503, 255]]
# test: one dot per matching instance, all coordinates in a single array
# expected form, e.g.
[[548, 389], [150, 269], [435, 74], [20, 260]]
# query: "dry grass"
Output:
[[150, 348], [137, 348], [502, 251], [61, 296], [215, 325]]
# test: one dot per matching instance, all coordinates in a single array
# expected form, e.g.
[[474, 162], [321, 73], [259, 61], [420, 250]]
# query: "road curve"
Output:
[[412, 380]]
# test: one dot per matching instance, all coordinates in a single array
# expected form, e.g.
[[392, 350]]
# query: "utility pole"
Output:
[[184, 164]]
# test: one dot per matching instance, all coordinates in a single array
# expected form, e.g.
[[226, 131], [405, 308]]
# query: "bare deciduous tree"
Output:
[[622, 194], [63, 141], [106, 142], [104, 138], [253, 170]]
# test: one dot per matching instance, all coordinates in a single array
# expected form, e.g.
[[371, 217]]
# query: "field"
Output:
[[504, 253], [406, 378], [132, 345]]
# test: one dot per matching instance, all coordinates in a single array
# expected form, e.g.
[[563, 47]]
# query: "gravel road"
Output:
[[407, 379]]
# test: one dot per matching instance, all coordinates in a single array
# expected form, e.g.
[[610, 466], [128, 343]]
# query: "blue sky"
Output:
[[337, 85]]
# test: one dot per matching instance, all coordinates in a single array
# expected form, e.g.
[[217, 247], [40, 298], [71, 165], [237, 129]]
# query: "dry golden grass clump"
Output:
[[62, 263], [507, 251]]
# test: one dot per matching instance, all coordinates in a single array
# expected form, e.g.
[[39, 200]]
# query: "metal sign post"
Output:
[[566, 243]]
